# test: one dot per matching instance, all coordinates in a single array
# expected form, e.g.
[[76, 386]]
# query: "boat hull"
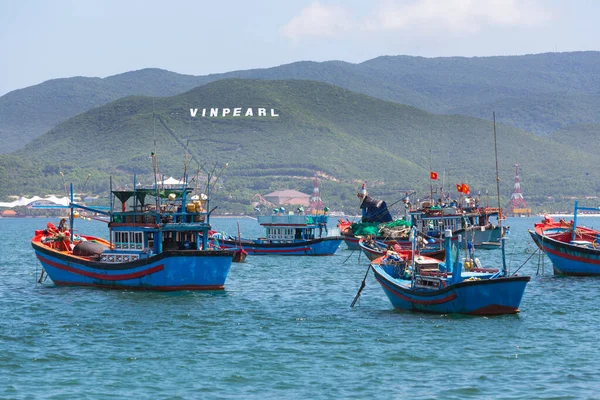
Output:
[[326, 246], [568, 259], [170, 270], [486, 238], [475, 297], [352, 242]]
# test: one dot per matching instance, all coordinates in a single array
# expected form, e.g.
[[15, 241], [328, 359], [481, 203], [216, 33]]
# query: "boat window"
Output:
[[139, 240], [151, 240], [129, 240]]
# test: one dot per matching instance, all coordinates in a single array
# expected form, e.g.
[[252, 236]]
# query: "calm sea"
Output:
[[283, 328]]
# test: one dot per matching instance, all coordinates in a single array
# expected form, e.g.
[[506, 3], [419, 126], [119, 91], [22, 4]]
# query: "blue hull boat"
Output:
[[326, 246], [447, 288], [159, 245], [286, 234], [479, 296], [171, 270]]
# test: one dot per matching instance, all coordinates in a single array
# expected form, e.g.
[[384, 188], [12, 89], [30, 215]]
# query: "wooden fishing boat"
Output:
[[451, 286], [473, 223], [374, 249], [374, 213], [239, 255], [292, 235], [572, 249], [157, 246], [448, 288]]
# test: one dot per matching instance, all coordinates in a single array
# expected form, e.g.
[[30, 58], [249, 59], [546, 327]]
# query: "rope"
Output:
[[529, 258], [348, 257]]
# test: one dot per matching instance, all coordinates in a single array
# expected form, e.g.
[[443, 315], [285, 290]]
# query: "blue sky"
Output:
[[47, 39]]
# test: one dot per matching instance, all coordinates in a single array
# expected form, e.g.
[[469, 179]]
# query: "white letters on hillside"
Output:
[[226, 112]]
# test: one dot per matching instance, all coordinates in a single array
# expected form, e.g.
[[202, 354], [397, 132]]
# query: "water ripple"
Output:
[[283, 328]]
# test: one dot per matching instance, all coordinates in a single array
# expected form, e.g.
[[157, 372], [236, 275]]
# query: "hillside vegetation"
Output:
[[538, 93], [342, 136]]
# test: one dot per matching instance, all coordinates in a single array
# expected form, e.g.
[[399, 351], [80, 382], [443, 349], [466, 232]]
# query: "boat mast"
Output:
[[72, 217], [110, 231], [502, 238]]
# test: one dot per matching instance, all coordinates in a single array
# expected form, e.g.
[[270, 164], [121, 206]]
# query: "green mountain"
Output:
[[585, 137], [341, 136], [30, 112], [539, 93]]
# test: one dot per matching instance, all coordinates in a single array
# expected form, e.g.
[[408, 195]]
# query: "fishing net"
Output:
[[394, 229]]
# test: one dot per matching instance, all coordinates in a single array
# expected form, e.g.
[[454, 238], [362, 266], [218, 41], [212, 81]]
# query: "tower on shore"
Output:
[[517, 206], [316, 204]]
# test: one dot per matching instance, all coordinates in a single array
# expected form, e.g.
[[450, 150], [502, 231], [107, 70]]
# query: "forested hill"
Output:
[[540, 93], [320, 129], [30, 112]]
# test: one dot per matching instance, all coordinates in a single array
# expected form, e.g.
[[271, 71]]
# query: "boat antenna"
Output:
[[430, 178], [218, 176], [64, 183], [209, 178], [502, 238], [200, 168], [86, 181], [185, 160]]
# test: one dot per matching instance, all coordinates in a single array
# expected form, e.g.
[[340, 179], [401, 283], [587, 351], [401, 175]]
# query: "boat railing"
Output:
[[292, 219], [153, 217]]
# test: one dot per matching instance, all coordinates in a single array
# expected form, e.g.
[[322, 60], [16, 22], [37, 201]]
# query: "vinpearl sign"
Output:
[[233, 112]]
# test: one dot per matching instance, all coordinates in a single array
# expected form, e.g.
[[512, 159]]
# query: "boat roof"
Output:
[[125, 194]]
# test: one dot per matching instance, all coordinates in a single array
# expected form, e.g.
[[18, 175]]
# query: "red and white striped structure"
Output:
[[517, 206]]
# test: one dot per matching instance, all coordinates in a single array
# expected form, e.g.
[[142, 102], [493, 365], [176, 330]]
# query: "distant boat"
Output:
[[572, 249], [376, 221], [153, 246], [473, 222], [239, 254], [285, 234]]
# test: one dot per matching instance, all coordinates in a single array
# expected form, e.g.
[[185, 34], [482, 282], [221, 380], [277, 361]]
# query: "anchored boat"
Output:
[[573, 249], [445, 287], [161, 245], [295, 234]]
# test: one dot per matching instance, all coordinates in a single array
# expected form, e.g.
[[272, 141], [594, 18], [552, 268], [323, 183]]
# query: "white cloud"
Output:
[[424, 16], [455, 16], [318, 20]]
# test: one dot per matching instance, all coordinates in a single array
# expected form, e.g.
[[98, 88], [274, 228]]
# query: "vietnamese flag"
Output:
[[459, 187], [466, 189], [433, 175]]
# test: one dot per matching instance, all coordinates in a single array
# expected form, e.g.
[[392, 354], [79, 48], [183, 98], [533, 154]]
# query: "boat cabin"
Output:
[[142, 229], [293, 228]]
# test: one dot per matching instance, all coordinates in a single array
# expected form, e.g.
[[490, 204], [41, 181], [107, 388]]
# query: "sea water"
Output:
[[283, 328]]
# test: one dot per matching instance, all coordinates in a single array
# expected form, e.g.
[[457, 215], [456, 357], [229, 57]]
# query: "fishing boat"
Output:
[[286, 234], [447, 287], [239, 254], [473, 223], [572, 249], [376, 221], [161, 245], [430, 219], [374, 249], [452, 286]]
